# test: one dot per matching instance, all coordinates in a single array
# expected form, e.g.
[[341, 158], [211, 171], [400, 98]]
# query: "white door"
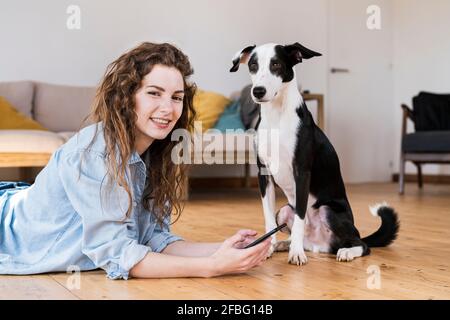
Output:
[[360, 103]]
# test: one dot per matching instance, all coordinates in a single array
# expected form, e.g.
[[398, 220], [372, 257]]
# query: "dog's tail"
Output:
[[388, 230]]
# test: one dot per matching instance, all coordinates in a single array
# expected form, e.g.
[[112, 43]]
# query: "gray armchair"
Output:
[[430, 143]]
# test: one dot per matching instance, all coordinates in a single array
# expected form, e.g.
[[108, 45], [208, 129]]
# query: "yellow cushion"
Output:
[[13, 119], [209, 106]]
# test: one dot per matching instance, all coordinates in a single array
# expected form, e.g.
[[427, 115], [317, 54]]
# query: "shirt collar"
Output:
[[134, 158]]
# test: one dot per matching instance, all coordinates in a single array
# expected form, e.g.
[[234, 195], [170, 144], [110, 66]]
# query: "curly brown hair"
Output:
[[115, 105]]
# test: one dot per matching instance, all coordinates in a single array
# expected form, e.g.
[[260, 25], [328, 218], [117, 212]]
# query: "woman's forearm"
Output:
[[191, 249], [192, 259], [178, 259], [158, 265]]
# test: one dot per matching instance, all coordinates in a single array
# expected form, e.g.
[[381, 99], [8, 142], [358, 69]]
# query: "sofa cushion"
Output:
[[62, 108], [230, 119], [13, 119], [427, 141], [19, 94], [209, 106], [29, 141]]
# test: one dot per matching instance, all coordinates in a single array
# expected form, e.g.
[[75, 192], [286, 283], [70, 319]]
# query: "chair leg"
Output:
[[401, 178], [185, 190], [247, 175], [419, 175]]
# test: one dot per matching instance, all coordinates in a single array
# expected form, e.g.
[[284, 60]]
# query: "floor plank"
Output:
[[34, 287], [95, 285]]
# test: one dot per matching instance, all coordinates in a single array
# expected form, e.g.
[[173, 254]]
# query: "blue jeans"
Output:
[[6, 185]]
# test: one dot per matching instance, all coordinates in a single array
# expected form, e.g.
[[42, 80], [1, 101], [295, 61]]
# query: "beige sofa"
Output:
[[62, 109]]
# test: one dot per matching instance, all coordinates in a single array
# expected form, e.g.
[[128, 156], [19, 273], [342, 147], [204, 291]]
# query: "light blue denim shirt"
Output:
[[71, 217]]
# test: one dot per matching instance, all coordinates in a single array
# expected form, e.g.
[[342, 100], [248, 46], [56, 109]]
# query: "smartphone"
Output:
[[264, 237]]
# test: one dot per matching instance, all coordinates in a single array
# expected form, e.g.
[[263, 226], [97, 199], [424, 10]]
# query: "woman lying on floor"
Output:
[[106, 197]]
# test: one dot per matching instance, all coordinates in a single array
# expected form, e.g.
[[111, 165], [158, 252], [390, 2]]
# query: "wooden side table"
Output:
[[320, 107]]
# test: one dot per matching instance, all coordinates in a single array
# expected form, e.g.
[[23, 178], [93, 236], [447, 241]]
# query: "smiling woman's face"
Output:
[[159, 104]]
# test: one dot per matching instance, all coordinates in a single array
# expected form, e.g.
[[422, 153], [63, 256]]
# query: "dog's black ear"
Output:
[[296, 53], [241, 57]]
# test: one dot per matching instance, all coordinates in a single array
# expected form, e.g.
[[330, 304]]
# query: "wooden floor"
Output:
[[416, 266]]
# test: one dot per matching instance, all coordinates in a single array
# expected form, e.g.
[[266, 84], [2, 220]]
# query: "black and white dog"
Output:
[[307, 168]]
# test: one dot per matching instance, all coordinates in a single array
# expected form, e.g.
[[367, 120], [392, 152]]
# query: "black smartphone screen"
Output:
[[264, 237]]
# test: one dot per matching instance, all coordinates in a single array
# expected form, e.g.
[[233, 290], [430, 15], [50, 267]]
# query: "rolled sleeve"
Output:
[[162, 236], [131, 255], [109, 238]]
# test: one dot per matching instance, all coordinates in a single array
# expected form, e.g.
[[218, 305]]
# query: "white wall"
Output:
[[37, 45], [421, 59]]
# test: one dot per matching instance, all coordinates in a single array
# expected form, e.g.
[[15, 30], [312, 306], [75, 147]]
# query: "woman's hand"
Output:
[[248, 236], [232, 258]]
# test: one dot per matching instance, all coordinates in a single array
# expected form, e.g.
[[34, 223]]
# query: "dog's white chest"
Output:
[[276, 142]]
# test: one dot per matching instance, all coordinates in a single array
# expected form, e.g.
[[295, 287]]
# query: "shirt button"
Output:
[[134, 203]]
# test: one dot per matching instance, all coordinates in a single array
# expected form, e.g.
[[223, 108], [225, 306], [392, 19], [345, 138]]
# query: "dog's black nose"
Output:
[[259, 92]]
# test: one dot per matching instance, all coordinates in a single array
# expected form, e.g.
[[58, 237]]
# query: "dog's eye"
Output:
[[253, 66], [275, 64]]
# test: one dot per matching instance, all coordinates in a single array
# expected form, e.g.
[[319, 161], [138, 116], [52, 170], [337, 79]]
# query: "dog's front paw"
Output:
[[282, 245], [297, 257], [345, 254]]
